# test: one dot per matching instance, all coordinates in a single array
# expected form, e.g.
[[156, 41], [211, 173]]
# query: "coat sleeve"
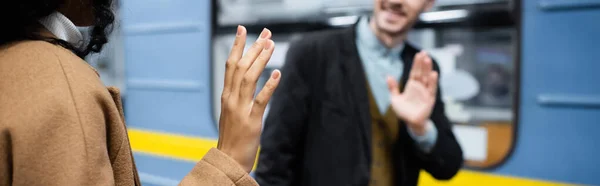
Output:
[[216, 169], [446, 156], [283, 134]]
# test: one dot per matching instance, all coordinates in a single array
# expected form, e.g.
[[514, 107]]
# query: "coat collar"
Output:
[[61, 27]]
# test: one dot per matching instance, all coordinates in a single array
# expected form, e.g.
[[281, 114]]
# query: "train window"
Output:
[[474, 44], [478, 86]]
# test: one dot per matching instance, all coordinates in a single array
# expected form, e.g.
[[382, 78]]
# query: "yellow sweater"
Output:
[[384, 132]]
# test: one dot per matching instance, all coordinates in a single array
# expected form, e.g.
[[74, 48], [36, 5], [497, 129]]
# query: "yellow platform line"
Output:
[[194, 148]]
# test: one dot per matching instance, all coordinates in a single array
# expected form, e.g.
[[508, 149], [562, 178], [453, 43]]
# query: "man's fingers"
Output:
[[251, 76], [234, 56], [247, 60], [393, 86], [415, 71], [263, 97], [427, 65], [433, 82], [426, 69]]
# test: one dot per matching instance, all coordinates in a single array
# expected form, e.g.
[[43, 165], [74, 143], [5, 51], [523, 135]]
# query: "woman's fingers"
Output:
[[247, 61], [251, 77], [240, 123], [263, 97], [234, 56]]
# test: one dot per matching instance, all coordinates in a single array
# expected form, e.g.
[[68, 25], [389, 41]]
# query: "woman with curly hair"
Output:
[[59, 125]]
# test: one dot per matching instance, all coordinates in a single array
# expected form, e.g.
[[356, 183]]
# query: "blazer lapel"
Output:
[[407, 55], [354, 74]]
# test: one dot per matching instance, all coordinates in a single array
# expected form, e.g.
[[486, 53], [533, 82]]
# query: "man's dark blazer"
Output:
[[318, 130]]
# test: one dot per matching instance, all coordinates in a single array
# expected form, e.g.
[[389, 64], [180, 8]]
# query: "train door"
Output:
[[166, 48], [559, 95]]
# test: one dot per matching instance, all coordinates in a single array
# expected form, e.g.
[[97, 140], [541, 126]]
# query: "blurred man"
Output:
[[340, 118]]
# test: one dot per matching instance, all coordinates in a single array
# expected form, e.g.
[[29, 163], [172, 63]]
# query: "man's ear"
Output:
[[429, 5]]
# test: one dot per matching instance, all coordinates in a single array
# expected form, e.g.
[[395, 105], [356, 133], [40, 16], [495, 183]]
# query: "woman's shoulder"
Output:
[[40, 59], [31, 67], [27, 50], [46, 79], [27, 62], [35, 55]]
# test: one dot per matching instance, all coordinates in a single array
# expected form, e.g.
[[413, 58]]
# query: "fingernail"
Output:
[[269, 45], [264, 33], [276, 74], [239, 30]]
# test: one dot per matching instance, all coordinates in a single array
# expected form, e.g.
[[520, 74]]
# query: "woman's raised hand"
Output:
[[240, 123]]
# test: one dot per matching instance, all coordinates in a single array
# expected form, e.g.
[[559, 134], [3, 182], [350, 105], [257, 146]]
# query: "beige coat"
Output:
[[59, 125]]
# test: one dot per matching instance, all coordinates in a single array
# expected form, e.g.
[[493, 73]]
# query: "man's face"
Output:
[[397, 16]]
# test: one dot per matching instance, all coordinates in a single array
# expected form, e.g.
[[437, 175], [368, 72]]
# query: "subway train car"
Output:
[[518, 76]]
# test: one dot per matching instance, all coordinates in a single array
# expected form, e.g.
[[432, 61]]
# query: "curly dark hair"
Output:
[[20, 22]]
